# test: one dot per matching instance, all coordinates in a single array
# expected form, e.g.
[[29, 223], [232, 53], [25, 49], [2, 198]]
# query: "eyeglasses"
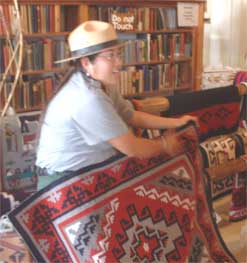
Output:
[[113, 56]]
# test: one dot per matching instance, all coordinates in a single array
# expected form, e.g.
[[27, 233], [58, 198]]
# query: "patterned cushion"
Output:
[[219, 150]]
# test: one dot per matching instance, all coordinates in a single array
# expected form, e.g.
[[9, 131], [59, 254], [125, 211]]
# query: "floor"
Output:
[[232, 232]]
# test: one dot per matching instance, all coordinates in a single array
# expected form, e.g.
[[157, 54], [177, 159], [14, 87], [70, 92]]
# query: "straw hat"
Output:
[[90, 38]]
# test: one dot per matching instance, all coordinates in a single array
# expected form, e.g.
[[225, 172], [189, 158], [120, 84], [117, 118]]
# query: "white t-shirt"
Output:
[[78, 122]]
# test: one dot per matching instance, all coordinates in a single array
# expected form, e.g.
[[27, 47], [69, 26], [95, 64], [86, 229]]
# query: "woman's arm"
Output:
[[146, 120], [138, 147]]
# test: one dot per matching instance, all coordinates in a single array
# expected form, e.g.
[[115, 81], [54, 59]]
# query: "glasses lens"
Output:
[[113, 55]]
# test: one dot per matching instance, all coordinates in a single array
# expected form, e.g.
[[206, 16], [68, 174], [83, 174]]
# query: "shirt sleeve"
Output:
[[98, 120], [123, 106]]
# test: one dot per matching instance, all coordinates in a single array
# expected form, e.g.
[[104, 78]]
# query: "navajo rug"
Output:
[[218, 110], [126, 210]]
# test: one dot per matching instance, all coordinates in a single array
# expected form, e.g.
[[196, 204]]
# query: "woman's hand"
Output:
[[186, 118], [171, 143]]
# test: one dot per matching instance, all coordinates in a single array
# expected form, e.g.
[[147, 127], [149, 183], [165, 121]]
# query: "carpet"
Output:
[[126, 210], [218, 110]]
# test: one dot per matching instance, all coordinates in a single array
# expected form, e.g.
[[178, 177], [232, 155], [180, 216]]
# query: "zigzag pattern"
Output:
[[104, 243], [165, 197], [173, 182]]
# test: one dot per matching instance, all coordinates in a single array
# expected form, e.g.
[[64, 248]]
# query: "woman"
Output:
[[88, 121]]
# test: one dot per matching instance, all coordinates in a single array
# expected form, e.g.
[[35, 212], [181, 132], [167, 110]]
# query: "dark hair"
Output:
[[92, 57], [77, 64]]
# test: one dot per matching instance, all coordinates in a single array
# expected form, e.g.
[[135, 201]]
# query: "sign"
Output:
[[123, 21], [188, 14]]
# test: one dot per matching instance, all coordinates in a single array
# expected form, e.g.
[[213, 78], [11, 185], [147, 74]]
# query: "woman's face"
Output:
[[106, 66]]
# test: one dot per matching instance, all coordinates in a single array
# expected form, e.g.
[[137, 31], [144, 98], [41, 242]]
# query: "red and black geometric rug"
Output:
[[126, 210], [217, 110]]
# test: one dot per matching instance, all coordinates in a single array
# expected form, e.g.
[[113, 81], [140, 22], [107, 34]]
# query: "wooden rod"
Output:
[[227, 169]]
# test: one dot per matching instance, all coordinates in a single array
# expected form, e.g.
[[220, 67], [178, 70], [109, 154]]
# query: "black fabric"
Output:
[[243, 113], [191, 101]]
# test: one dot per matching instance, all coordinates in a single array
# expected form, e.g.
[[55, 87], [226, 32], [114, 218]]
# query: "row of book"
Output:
[[145, 18], [157, 47], [6, 52], [150, 78], [7, 19], [43, 53], [38, 54], [145, 78], [39, 18], [182, 75], [30, 94]]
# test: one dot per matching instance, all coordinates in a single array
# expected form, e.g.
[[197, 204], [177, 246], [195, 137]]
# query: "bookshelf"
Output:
[[160, 57]]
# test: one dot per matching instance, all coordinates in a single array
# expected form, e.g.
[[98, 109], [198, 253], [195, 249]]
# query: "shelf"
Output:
[[53, 35], [171, 57], [166, 61], [164, 31], [144, 32], [43, 2], [30, 109], [105, 2], [163, 92], [147, 3], [38, 72], [43, 71]]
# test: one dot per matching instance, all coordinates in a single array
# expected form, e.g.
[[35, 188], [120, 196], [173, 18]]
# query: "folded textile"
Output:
[[218, 110], [241, 76]]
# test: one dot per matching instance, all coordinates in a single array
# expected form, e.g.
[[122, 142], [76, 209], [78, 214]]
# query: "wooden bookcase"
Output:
[[160, 57]]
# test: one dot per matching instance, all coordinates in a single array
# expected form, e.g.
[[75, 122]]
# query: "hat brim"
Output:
[[120, 44]]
